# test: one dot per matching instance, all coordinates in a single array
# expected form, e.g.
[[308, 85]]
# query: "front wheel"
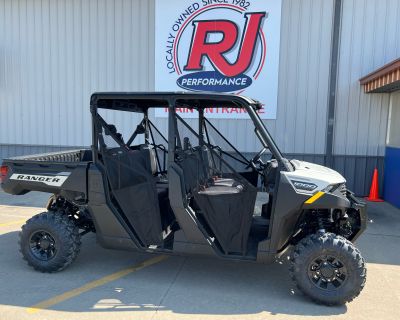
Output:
[[328, 268], [49, 241]]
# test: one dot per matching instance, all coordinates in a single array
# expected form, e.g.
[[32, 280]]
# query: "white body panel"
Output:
[[319, 175]]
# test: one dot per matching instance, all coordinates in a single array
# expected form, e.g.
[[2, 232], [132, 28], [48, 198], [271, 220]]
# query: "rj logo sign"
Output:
[[229, 46]]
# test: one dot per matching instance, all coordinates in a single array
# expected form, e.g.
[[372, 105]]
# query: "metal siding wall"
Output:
[[54, 54], [304, 73], [369, 39]]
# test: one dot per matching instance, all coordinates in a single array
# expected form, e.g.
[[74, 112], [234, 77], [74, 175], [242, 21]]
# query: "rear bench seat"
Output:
[[221, 189], [200, 173], [217, 184]]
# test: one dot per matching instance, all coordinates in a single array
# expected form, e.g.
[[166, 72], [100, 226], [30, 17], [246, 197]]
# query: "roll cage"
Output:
[[142, 102]]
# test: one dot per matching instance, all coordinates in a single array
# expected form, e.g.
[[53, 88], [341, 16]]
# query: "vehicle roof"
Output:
[[141, 101]]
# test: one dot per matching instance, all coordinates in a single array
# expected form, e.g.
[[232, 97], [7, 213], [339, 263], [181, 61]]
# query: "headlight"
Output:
[[333, 187]]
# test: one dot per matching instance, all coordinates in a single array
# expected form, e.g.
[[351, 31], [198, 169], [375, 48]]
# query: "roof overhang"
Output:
[[385, 79]]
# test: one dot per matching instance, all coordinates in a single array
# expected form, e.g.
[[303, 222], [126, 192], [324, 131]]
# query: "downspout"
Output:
[[333, 73]]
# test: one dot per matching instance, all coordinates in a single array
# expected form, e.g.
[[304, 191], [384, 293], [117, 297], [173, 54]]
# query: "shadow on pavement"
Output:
[[185, 285]]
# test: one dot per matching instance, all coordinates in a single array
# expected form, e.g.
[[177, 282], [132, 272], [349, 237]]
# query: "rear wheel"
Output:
[[49, 241], [328, 268]]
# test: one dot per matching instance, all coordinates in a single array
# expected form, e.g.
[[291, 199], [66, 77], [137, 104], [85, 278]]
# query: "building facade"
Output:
[[55, 53]]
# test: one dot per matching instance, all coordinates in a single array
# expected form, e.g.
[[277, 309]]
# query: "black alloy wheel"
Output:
[[327, 272], [42, 245]]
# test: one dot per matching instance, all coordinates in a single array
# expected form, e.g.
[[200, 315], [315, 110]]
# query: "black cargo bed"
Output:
[[63, 173], [80, 155]]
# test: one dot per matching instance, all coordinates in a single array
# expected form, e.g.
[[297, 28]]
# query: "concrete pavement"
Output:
[[184, 287]]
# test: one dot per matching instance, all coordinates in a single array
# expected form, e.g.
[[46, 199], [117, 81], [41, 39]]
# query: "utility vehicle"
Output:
[[192, 191]]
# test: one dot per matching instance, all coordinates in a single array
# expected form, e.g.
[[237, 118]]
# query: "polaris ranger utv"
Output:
[[186, 193]]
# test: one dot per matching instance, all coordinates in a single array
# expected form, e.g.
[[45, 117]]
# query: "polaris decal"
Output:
[[227, 46], [55, 181]]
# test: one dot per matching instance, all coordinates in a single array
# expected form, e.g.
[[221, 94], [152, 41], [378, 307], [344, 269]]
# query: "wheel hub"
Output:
[[42, 245], [327, 272]]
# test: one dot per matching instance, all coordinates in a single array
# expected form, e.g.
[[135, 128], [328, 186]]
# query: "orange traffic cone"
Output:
[[374, 191]]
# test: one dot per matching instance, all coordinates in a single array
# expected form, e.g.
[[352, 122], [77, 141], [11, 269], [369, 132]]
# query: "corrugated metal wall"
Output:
[[370, 38], [304, 76], [54, 54]]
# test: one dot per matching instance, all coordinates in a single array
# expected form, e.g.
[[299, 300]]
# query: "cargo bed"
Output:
[[79, 155], [48, 172]]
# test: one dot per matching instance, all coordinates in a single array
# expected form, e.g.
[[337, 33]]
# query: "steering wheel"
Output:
[[256, 159]]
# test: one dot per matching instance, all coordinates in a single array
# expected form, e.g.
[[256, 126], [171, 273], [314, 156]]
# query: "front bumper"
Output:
[[361, 208]]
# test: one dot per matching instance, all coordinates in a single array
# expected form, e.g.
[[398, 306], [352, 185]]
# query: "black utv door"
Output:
[[224, 200], [131, 182], [134, 191]]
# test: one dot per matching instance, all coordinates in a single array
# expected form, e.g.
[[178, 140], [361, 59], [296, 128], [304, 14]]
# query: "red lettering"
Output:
[[215, 51]]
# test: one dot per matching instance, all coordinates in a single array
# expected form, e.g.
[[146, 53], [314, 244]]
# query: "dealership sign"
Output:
[[225, 46]]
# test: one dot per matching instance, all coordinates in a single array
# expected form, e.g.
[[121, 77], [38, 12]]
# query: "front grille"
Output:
[[342, 189]]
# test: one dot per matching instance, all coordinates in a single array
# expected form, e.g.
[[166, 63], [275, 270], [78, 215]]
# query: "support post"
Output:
[[337, 17]]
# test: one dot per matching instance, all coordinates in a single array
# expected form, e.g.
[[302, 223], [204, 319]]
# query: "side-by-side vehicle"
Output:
[[185, 188]]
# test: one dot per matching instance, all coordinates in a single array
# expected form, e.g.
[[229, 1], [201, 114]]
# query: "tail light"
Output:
[[3, 173]]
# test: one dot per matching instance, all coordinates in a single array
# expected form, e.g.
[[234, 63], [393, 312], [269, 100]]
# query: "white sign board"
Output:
[[229, 46]]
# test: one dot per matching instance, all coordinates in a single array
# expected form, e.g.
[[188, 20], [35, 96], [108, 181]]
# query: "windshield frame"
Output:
[[266, 137]]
